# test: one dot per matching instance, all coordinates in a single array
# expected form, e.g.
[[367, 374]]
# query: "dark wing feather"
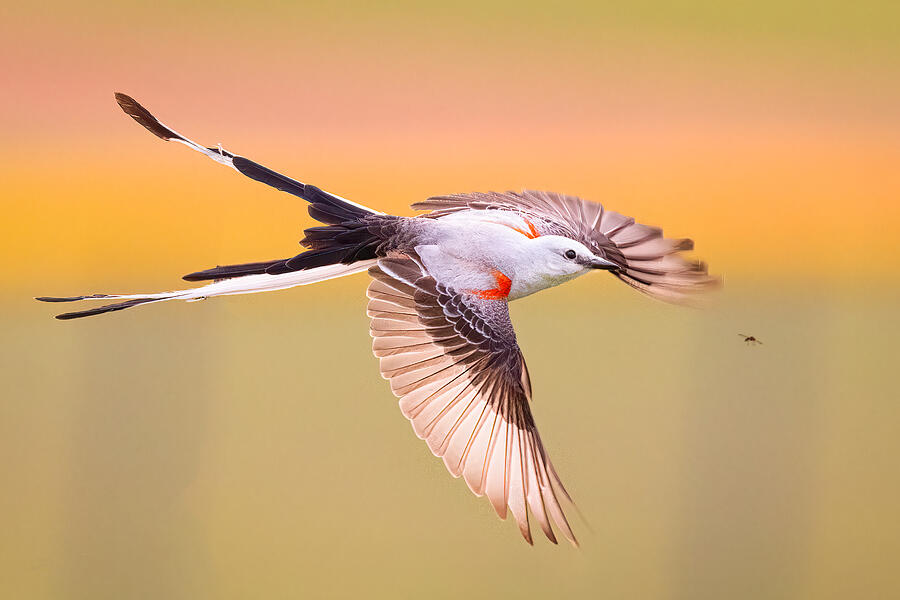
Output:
[[453, 361], [648, 261]]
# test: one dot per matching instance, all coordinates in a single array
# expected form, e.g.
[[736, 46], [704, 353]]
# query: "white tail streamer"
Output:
[[248, 284]]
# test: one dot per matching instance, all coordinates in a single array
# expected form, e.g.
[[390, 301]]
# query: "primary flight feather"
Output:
[[438, 300]]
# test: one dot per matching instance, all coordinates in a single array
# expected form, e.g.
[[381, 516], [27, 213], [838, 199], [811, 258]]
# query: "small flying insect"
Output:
[[750, 340]]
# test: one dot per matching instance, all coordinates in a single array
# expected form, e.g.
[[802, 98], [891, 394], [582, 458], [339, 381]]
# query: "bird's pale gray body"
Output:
[[441, 284], [464, 249]]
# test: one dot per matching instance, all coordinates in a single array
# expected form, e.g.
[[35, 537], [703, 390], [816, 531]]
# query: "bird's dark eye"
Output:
[[570, 254]]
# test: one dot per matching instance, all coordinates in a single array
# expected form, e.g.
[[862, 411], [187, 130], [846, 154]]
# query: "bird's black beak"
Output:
[[597, 262]]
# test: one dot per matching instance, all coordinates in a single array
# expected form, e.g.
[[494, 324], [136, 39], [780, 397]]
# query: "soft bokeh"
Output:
[[246, 447]]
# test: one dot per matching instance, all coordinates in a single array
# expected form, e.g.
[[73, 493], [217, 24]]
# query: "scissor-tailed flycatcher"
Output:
[[438, 302]]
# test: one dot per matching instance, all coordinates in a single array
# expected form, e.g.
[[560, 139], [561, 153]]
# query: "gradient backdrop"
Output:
[[246, 447]]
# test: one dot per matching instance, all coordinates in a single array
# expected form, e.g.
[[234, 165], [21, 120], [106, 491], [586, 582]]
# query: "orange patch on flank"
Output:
[[500, 292], [531, 233]]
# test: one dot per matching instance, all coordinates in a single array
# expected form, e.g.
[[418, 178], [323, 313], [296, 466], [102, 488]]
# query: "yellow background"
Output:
[[246, 447]]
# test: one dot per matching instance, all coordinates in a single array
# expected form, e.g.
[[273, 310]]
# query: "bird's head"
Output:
[[563, 258]]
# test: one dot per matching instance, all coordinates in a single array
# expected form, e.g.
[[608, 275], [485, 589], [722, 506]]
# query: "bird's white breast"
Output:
[[466, 250]]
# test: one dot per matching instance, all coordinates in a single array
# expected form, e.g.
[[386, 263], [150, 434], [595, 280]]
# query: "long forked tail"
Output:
[[347, 247], [326, 203], [247, 284]]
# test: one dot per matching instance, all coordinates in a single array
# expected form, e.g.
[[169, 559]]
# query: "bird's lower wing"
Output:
[[453, 361]]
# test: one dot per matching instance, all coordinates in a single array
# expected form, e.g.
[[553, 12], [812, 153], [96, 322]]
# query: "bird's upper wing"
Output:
[[649, 262], [453, 361]]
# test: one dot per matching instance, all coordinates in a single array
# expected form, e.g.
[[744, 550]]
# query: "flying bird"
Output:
[[750, 340], [438, 301]]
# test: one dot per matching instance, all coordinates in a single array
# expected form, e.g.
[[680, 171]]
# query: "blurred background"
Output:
[[247, 447]]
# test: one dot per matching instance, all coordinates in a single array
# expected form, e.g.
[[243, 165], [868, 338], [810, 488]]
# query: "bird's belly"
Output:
[[487, 259], [473, 255]]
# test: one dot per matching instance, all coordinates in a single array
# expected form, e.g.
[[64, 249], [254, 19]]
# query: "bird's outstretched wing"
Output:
[[453, 361], [649, 261]]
